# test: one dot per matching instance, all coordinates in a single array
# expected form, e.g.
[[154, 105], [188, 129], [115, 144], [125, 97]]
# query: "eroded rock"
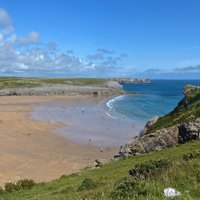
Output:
[[150, 123], [164, 138]]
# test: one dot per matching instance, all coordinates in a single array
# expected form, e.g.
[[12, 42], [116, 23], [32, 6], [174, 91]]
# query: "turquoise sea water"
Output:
[[157, 98]]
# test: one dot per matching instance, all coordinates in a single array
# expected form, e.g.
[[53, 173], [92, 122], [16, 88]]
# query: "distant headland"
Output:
[[13, 86], [131, 80]]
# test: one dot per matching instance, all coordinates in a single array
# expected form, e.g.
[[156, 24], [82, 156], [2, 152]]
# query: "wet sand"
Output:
[[29, 148], [85, 120]]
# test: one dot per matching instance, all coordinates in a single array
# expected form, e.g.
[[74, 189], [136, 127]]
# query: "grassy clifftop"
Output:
[[58, 86], [13, 82], [187, 108]]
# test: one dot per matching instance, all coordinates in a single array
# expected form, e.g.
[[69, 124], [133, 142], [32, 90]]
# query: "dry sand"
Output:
[[30, 149]]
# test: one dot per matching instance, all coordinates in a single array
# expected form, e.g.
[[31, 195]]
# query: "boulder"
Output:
[[151, 122], [189, 131]]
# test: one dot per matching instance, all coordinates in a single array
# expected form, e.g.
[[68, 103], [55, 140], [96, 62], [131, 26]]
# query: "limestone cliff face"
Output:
[[131, 80], [163, 138], [179, 126]]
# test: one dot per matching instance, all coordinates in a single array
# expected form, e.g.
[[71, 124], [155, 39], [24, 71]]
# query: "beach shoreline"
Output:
[[29, 148], [85, 120]]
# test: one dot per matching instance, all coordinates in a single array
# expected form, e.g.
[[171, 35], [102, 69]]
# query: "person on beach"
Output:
[[82, 111], [121, 151], [89, 141], [101, 149]]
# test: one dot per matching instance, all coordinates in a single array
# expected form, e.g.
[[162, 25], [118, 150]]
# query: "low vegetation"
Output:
[[149, 169], [87, 184], [127, 188], [25, 184], [158, 170], [192, 155], [14, 82]]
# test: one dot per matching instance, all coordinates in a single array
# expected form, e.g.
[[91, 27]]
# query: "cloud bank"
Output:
[[189, 69], [29, 56]]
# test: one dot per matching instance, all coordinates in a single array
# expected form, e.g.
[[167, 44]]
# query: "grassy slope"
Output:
[[180, 113], [13, 82], [183, 175]]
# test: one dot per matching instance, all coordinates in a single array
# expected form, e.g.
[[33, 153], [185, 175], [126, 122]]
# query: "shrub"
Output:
[[63, 176], [26, 183], [190, 156], [149, 168], [128, 189], [87, 184], [1, 190], [12, 187], [21, 184], [98, 163]]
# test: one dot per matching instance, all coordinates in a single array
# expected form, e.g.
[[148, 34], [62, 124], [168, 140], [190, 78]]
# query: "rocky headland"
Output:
[[64, 86], [131, 80], [179, 126]]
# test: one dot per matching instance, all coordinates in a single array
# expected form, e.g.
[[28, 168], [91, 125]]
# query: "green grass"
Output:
[[103, 183], [181, 113], [13, 82]]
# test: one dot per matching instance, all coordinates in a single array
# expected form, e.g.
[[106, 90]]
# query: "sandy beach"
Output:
[[29, 148], [85, 118]]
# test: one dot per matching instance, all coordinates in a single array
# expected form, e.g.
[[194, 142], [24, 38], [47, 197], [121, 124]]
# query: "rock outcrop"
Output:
[[179, 126], [160, 139], [164, 138], [189, 89], [151, 122], [131, 80], [189, 131]]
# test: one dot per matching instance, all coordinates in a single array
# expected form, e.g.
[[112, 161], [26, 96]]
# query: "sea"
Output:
[[155, 98], [114, 121]]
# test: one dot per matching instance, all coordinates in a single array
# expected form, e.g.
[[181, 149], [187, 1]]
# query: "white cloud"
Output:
[[12, 38], [28, 56], [7, 30], [105, 51], [5, 19], [154, 71], [22, 66], [33, 38], [1, 37], [189, 69], [5, 22]]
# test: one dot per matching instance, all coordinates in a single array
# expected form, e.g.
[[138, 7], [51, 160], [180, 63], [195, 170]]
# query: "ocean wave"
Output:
[[140, 107], [111, 102], [119, 116], [115, 112]]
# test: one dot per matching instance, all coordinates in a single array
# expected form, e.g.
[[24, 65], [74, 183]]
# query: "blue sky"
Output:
[[100, 38]]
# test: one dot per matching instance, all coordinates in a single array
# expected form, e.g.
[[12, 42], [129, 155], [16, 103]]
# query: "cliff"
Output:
[[179, 126], [131, 80]]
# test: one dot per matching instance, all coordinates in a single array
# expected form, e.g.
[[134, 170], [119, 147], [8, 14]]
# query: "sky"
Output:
[[100, 38]]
